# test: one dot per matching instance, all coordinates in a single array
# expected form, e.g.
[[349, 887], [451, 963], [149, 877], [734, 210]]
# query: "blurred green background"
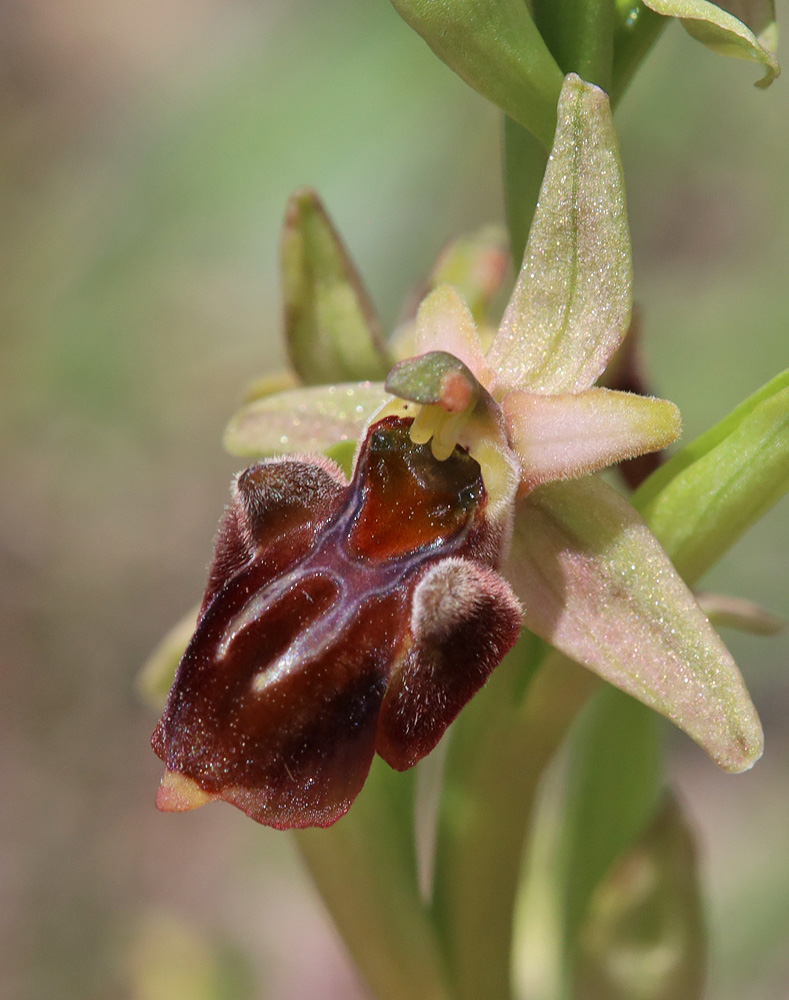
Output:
[[147, 151]]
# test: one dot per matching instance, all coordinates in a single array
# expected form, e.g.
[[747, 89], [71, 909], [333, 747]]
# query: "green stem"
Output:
[[580, 35], [525, 159], [632, 43], [365, 869], [500, 748]]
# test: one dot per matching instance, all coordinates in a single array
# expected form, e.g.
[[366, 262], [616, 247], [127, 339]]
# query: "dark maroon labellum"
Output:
[[339, 620]]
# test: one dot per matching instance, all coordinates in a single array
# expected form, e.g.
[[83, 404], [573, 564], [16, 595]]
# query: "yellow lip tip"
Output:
[[177, 793]]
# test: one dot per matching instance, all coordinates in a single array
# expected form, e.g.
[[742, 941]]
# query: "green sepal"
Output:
[[315, 419], [644, 932], [581, 555], [496, 48], [701, 501], [725, 33], [331, 329]]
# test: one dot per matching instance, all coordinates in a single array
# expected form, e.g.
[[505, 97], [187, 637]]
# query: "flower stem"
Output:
[[632, 43], [580, 35], [365, 869], [501, 746], [525, 159]]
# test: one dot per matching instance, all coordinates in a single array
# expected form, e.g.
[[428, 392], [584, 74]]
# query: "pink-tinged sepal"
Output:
[[464, 619]]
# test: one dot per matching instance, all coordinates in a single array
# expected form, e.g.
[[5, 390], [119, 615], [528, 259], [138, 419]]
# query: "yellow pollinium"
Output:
[[441, 428]]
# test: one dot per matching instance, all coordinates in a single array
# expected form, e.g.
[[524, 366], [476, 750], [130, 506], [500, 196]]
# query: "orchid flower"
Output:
[[348, 617]]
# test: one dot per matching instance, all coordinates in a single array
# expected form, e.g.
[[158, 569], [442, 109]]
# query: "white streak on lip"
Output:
[[275, 672]]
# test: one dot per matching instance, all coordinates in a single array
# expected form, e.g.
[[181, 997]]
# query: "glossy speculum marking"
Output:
[[339, 619]]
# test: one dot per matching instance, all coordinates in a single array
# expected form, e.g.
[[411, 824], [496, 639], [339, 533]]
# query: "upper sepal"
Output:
[[571, 305]]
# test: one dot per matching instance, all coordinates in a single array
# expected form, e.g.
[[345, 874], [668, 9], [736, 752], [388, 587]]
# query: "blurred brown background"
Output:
[[146, 151]]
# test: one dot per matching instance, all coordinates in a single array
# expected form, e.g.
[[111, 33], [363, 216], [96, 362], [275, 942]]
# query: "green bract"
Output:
[[644, 935]]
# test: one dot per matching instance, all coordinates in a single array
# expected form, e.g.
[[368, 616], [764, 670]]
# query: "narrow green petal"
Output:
[[595, 583], [156, 677], [331, 328], [702, 500], [571, 305], [725, 33], [571, 434], [644, 933], [495, 47], [303, 420]]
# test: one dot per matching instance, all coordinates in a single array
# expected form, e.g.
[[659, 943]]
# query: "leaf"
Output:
[[303, 420], [332, 332], [644, 934], [701, 501], [725, 33], [596, 584], [496, 48], [571, 305]]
